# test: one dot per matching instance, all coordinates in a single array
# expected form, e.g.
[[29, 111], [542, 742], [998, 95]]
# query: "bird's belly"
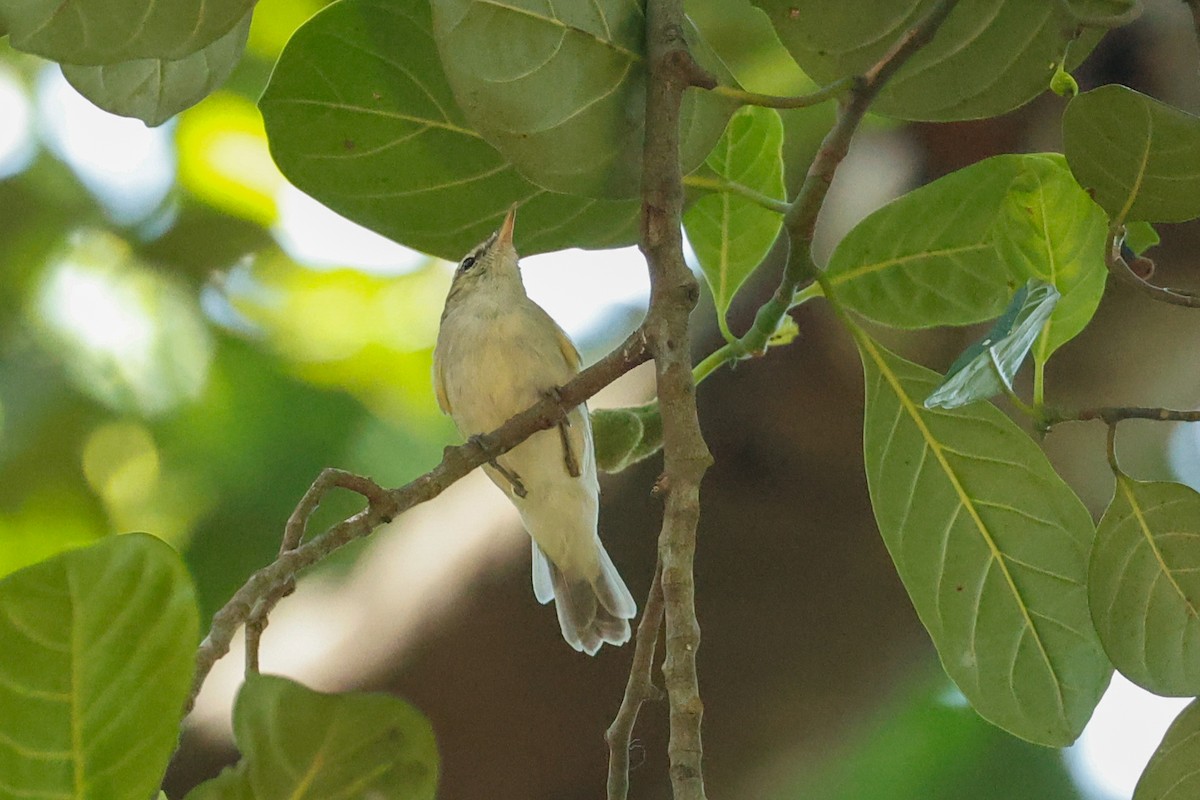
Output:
[[504, 371]]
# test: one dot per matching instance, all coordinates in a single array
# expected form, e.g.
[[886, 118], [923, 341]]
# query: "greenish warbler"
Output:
[[498, 353]]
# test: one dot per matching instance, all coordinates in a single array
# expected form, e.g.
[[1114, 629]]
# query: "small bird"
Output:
[[498, 353]]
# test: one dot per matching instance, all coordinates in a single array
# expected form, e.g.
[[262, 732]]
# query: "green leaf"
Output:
[[992, 547], [625, 436], [98, 646], [112, 31], [1140, 237], [1144, 584], [231, 784], [1139, 157], [567, 105], [730, 233], [1050, 229], [989, 56], [154, 89], [372, 130], [1171, 773], [297, 743], [929, 258], [988, 366]]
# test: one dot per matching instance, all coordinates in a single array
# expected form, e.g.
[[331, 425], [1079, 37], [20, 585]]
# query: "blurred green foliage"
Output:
[[181, 374]]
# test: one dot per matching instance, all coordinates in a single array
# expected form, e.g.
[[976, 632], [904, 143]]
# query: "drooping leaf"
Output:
[[559, 89], [1144, 584], [373, 131], [112, 31], [1050, 229], [992, 548], [625, 436], [155, 89], [988, 366], [989, 56], [97, 661], [929, 258], [729, 232], [1171, 773], [297, 743], [1139, 157]]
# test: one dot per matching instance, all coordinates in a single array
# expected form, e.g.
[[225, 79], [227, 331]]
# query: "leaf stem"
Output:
[[780, 101], [717, 185], [1120, 268]]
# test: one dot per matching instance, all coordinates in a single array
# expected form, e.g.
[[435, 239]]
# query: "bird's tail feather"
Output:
[[591, 611]]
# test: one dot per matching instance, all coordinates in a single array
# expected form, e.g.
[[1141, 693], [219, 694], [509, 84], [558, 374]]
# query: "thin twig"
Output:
[[674, 289], [456, 462], [778, 101], [1111, 415], [1120, 268], [801, 220], [293, 533], [733, 187], [638, 690]]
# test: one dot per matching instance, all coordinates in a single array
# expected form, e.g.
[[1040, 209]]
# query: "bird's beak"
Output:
[[505, 236]]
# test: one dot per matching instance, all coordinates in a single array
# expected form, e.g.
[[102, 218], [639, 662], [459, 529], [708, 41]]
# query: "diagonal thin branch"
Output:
[[638, 690], [274, 579]]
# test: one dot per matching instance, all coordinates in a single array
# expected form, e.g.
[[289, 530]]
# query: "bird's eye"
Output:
[[467, 263]]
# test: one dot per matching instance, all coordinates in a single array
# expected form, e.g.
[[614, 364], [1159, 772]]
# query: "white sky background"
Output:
[[130, 169]]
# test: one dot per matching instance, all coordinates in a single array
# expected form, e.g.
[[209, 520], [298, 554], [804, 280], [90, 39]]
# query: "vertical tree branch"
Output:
[[673, 294]]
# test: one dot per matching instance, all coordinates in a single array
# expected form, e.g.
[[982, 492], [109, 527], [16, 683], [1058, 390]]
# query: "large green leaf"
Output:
[[988, 366], [372, 130], [730, 232], [1144, 584], [559, 89], [300, 744], [989, 56], [992, 547], [1140, 158], [1050, 229], [97, 651], [1172, 773], [930, 258], [155, 89], [112, 31], [953, 251]]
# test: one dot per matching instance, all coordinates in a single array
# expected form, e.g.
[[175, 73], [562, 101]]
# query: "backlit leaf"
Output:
[[297, 743], [97, 660], [1144, 584], [1051, 230], [730, 233], [1139, 157], [992, 547]]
